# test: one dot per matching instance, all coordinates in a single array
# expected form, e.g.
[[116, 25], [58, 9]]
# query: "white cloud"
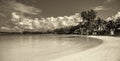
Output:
[[5, 28], [108, 1], [114, 17], [24, 8], [101, 8], [44, 24], [98, 8], [117, 15]]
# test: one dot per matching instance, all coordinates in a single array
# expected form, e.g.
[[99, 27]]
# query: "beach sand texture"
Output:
[[109, 50]]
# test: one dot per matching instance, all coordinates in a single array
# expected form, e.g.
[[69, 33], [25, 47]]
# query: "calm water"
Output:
[[42, 47]]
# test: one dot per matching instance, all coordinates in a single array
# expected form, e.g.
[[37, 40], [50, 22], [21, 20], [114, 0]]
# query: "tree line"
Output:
[[92, 25]]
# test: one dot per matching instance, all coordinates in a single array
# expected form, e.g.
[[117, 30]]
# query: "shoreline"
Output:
[[108, 51], [31, 48]]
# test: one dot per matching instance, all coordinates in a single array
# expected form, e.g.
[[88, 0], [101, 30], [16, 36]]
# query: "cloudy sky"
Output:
[[47, 8], [105, 8]]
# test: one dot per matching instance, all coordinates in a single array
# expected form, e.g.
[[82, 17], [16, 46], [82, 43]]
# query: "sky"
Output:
[[48, 8], [105, 8]]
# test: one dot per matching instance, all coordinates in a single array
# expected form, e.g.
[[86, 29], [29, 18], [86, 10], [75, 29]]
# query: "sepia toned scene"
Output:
[[59, 30]]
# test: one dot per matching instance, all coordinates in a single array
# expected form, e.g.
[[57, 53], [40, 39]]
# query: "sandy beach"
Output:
[[109, 50]]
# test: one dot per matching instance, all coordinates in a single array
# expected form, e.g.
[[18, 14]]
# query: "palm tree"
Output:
[[117, 26], [111, 27], [100, 25], [117, 23], [88, 19]]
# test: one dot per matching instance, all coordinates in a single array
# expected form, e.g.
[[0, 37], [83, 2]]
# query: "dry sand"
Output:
[[109, 50]]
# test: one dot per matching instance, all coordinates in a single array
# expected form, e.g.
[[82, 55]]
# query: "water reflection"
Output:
[[41, 47]]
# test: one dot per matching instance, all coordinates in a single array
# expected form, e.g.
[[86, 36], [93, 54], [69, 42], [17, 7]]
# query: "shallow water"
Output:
[[42, 47]]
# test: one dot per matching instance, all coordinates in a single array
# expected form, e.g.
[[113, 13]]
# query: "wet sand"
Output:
[[109, 50]]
